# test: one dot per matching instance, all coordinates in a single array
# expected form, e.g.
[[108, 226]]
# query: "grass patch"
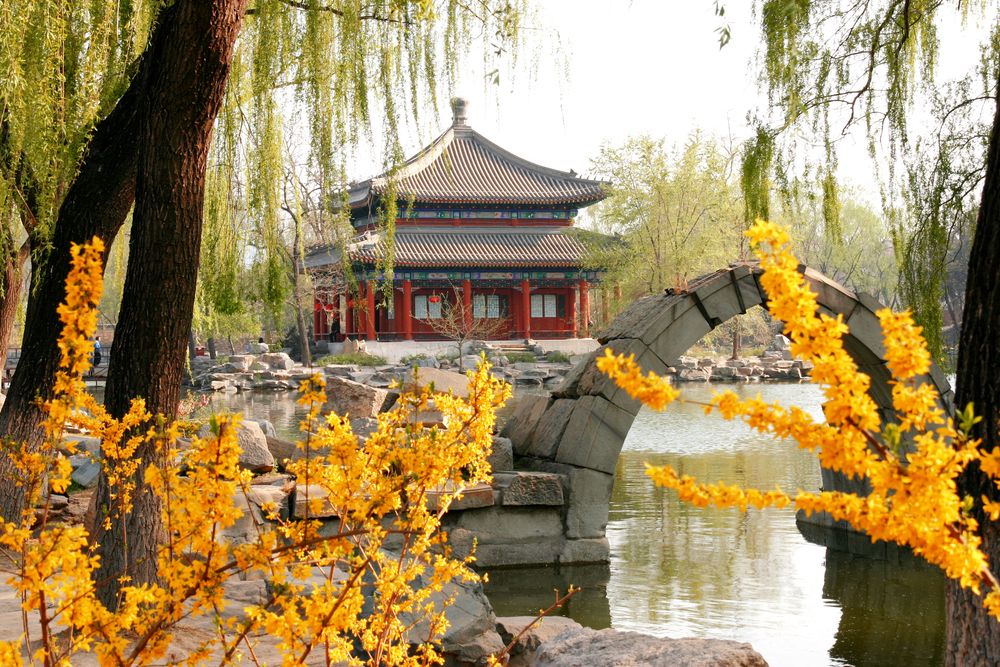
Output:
[[555, 356], [356, 359], [521, 357], [411, 359]]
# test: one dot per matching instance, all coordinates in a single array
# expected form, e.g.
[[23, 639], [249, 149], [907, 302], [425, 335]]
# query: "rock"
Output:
[[502, 456], [311, 500], [347, 397], [281, 450], [270, 498], [529, 488], [86, 470], [241, 362], [723, 373], [267, 427], [340, 370], [536, 635], [422, 362], [780, 342], [471, 635], [443, 381], [694, 375], [57, 502], [277, 361], [583, 647], [272, 385], [254, 454]]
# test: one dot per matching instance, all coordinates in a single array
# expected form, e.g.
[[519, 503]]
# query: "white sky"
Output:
[[611, 69]]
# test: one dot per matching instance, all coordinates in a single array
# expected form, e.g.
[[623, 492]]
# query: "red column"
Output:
[[584, 307], [604, 306], [571, 311], [526, 306], [467, 301], [407, 310], [370, 311], [347, 326], [317, 309]]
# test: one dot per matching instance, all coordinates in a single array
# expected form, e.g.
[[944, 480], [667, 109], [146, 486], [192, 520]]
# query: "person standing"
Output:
[[97, 351]]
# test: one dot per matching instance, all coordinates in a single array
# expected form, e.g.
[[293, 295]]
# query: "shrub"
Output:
[[520, 357], [411, 359], [377, 489], [352, 359], [914, 499], [557, 357]]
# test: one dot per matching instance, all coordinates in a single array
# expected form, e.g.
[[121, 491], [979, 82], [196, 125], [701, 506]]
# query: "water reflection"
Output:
[[680, 571]]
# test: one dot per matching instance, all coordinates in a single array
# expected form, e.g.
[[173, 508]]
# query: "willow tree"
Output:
[[831, 64], [147, 143]]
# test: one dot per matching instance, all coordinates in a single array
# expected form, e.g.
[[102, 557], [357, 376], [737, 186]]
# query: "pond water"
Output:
[[681, 571]]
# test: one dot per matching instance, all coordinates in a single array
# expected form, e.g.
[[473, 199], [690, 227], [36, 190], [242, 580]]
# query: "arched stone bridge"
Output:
[[579, 431]]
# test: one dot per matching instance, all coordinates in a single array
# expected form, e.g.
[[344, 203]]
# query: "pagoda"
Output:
[[475, 223]]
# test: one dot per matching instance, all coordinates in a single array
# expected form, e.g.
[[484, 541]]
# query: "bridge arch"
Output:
[[579, 431]]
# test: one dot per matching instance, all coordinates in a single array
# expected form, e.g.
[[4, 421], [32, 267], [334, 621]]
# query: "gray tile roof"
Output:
[[462, 166], [465, 248]]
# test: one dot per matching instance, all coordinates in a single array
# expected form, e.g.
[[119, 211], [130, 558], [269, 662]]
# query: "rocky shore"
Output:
[[514, 520]]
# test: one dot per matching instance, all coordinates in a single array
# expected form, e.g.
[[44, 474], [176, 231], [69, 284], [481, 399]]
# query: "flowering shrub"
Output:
[[914, 499], [386, 534]]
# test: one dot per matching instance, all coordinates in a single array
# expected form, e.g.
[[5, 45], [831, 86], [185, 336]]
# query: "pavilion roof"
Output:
[[468, 247], [463, 166]]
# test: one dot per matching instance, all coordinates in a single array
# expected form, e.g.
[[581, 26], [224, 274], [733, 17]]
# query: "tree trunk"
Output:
[[187, 79], [96, 204], [973, 635], [211, 348], [13, 278], [298, 287]]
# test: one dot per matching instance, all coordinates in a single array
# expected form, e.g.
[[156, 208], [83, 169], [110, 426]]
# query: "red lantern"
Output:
[[433, 298]]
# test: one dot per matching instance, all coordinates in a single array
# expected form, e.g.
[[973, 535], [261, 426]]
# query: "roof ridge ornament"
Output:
[[458, 111]]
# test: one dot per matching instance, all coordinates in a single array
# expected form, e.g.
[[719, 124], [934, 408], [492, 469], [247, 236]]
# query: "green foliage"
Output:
[[830, 64], [557, 357], [415, 358], [755, 176], [355, 359], [521, 357], [673, 212]]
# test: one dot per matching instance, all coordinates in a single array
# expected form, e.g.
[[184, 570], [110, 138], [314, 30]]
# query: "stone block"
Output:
[[587, 494], [545, 439], [473, 497], [865, 328], [544, 551], [589, 550], [522, 422], [510, 525], [569, 387], [502, 455], [311, 500], [594, 435], [676, 330], [529, 488]]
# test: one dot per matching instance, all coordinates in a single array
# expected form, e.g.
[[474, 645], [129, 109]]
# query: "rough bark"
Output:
[[187, 77], [13, 279], [96, 204], [974, 636]]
